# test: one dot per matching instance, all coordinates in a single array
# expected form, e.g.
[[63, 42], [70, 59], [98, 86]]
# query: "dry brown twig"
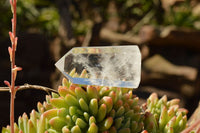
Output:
[[28, 86], [115, 37]]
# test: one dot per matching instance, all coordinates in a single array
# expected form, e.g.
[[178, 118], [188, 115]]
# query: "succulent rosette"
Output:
[[86, 109], [162, 116]]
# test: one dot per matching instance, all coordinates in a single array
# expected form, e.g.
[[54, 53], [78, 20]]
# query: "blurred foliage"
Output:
[[134, 8], [5, 16], [39, 15], [181, 16], [80, 27], [127, 11], [43, 15]]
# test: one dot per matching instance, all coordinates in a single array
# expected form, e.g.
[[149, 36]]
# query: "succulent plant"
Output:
[[162, 116], [81, 108], [95, 109]]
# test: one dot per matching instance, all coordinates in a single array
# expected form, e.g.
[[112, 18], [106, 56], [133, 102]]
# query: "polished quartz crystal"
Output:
[[117, 66]]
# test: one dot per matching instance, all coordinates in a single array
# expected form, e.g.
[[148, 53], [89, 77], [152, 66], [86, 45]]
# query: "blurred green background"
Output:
[[45, 16]]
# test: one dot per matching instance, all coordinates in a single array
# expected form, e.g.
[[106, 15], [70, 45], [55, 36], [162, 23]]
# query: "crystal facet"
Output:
[[117, 66]]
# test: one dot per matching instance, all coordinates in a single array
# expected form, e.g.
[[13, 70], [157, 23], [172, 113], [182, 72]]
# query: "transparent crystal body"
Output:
[[117, 66]]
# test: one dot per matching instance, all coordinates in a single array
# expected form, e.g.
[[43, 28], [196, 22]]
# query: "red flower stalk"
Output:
[[14, 68]]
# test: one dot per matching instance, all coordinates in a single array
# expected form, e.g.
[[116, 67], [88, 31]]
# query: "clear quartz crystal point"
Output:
[[117, 66]]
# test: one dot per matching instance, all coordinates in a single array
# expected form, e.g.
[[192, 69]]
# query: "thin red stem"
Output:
[[12, 88], [14, 17], [12, 100]]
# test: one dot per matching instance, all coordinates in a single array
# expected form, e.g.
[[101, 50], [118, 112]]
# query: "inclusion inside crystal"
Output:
[[117, 66]]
